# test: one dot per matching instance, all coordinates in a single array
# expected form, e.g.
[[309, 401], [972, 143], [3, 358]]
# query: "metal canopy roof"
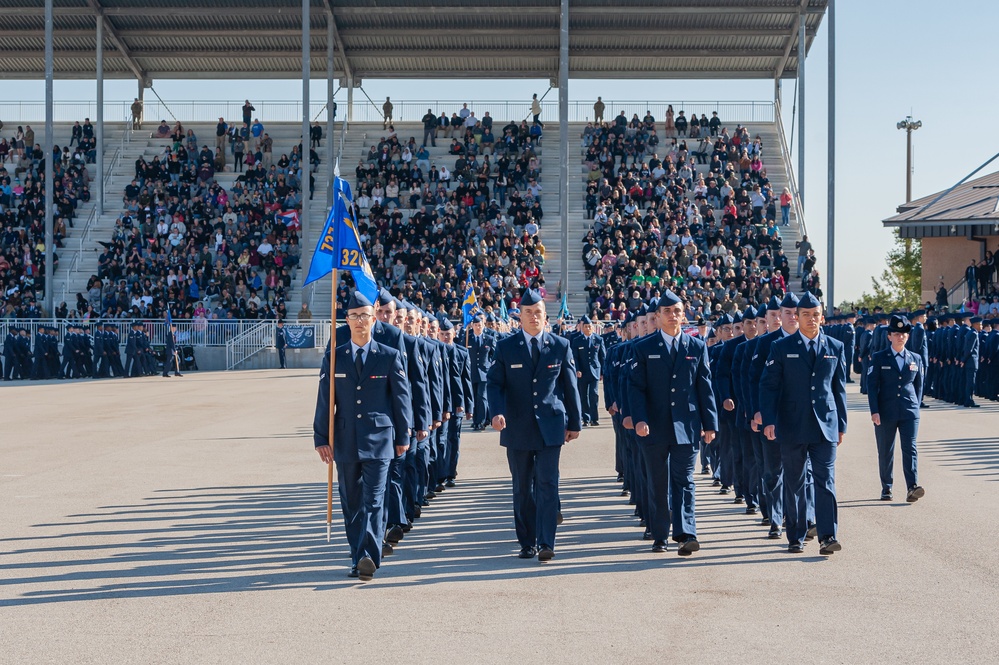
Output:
[[184, 39], [974, 202]]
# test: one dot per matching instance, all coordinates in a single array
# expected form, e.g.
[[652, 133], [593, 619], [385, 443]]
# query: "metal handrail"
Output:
[[403, 110], [796, 203]]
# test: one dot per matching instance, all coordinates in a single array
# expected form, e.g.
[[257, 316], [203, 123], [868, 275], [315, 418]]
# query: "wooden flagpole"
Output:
[[329, 469]]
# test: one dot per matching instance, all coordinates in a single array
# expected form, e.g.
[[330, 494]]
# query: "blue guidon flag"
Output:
[[470, 304], [339, 245]]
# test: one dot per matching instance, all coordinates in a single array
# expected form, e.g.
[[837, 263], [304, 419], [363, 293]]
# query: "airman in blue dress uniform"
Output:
[[590, 354], [673, 406], [894, 391], [373, 410], [535, 406], [803, 404], [481, 349]]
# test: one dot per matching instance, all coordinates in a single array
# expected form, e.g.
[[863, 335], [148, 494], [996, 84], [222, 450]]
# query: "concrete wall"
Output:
[[945, 259], [213, 359]]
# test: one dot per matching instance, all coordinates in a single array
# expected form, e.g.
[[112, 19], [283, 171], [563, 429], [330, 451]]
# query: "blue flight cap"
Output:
[[384, 297], [773, 305], [790, 300], [918, 312], [899, 324], [808, 301], [446, 324], [490, 318], [478, 318], [749, 314], [668, 299], [725, 320], [653, 304], [736, 317], [643, 310], [531, 297], [976, 319], [358, 300], [585, 320]]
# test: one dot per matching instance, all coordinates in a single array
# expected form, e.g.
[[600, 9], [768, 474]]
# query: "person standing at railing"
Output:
[[430, 128], [137, 114], [387, 113], [170, 350], [247, 112], [536, 110], [598, 111]]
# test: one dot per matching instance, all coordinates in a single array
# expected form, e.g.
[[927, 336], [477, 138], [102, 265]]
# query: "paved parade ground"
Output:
[[148, 521]]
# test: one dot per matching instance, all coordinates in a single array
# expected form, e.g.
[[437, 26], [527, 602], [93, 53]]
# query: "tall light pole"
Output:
[[909, 125]]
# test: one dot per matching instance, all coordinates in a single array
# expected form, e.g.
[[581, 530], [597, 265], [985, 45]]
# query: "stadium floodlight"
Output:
[[909, 125]]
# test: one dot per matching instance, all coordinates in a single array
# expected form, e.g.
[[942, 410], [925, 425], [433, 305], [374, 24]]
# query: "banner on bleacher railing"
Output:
[[300, 337]]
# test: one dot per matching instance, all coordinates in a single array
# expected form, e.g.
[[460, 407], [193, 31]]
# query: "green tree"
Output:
[[900, 285]]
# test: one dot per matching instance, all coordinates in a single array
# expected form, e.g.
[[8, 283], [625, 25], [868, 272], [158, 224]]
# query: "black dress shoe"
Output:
[[765, 521], [527, 553], [795, 548], [353, 572], [704, 471], [829, 545], [387, 549], [558, 518], [594, 424], [810, 534], [972, 405], [924, 405], [430, 495], [688, 546], [724, 490], [914, 494], [642, 522], [365, 569], [716, 483], [739, 499], [424, 503], [620, 478], [394, 535], [625, 492], [752, 510], [886, 496], [439, 488], [449, 483], [546, 554], [417, 510], [774, 533], [659, 546], [647, 535], [407, 527]]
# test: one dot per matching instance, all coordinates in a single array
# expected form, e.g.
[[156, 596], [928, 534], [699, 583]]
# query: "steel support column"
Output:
[[330, 120], [831, 167], [306, 74], [801, 109], [99, 128], [350, 99], [563, 137], [49, 166]]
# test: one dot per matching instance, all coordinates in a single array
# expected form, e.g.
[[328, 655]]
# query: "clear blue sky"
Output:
[[893, 58]]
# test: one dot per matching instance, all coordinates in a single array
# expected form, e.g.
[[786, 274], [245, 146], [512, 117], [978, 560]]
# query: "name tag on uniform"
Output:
[[339, 376], [516, 366], [884, 367], [792, 355], [651, 357], [829, 357]]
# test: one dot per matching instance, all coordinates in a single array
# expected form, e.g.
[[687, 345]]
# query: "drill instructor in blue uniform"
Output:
[[673, 407], [894, 391], [534, 402], [371, 428], [803, 405]]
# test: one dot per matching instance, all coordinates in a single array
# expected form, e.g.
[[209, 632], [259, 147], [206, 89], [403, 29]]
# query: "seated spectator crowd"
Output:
[[695, 218], [425, 228], [185, 242], [22, 213]]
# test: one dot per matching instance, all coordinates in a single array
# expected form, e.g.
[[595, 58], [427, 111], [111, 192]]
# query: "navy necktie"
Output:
[[811, 350], [535, 352], [672, 351], [359, 361]]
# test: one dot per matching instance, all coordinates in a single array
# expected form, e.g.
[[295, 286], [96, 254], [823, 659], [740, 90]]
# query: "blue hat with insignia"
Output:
[[585, 320], [668, 299], [773, 305], [490, 318], [790, 300], [725, 320], [446, 324], [976, 319], [531, 297], [899, 324], [643, 310], [384, 297], [478, 318], [736, 317], [808, 301], [711, 334], [358, 300], [749, 314]]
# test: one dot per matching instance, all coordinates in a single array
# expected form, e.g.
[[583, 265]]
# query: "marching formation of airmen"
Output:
[[84, 354]]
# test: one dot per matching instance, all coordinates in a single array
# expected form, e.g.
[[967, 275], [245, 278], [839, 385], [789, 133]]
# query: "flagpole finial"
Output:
[[336, 169]]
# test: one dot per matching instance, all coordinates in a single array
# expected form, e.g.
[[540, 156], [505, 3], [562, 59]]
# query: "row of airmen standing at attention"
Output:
[[84, 354]]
